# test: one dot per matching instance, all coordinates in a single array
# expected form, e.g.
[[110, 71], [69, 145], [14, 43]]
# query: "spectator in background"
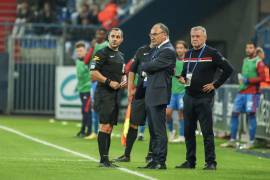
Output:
[[35, 14], [261, 55], [23, 16], [94, 12], [108, 16], [86, 13], [71, 5], [47, 16], [64, 15], [83, 14]]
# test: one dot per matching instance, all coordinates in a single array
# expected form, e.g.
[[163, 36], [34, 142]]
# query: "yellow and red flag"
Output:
[[126, 126]]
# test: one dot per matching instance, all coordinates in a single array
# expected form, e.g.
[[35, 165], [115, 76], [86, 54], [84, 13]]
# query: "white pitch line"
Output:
[[42, 159], [71, 151]]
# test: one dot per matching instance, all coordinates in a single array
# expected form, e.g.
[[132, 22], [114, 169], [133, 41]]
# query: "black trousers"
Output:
[[157, 128], [86, 112], [199, 109]]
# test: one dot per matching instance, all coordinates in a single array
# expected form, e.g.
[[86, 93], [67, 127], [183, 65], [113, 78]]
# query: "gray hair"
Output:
[[199, 28], [164, 28]]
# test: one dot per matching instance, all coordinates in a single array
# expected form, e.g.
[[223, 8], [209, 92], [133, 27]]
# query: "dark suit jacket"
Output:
[[159, 75]]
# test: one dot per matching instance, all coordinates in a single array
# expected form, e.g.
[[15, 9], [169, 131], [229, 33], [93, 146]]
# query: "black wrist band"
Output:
[[107, 82]]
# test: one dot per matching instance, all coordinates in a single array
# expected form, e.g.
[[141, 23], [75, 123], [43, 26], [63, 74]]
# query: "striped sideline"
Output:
[[71, 151]]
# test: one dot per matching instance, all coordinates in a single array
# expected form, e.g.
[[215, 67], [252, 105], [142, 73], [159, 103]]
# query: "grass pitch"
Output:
[[68, 158]]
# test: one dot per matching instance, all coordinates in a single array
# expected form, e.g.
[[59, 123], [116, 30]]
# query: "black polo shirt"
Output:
[[204, 69], [142, 55], [109, 63]]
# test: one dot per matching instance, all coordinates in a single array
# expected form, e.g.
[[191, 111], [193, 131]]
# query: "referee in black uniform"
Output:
[[108, 69], [201, 64], [136, 96]]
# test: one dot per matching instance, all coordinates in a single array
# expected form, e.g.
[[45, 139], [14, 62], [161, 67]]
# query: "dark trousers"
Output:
[[86, 112], [151, 133], [199, 109], [157, 128]]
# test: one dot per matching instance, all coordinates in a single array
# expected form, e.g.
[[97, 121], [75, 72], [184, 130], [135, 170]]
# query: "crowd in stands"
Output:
[[79, 14], [74, 20]]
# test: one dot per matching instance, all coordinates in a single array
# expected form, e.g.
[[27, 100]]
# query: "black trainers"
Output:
[[80, 134], [185, 165], [159, 166], [150, 165], [107, 164], [210, 167], [140, 138], [122, 158], [148, 159]]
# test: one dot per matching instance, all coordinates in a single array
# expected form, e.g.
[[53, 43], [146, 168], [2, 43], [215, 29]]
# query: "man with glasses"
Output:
[[158, 74]]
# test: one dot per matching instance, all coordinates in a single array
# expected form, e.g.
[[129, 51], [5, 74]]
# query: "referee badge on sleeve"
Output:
[[93, 65], [96, 58]]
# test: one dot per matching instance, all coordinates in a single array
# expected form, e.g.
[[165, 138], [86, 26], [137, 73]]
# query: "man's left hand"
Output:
[[123, 84], [208, 87]]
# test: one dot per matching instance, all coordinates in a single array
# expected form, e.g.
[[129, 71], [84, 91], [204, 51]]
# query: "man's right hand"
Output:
[[115, 85], [182, 80]]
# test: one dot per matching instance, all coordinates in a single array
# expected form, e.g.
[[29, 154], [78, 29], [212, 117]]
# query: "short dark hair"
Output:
[[164, 28], [80, 44], [181, 42], [253, 43], [116, 29], [102, 29]]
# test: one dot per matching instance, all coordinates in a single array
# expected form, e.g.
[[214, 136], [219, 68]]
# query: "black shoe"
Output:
[[122, 158], [148, 159], [140, 138], [210, 167], [80, 134], [186, 165], [159, 166], [150, 165], [107, 164]]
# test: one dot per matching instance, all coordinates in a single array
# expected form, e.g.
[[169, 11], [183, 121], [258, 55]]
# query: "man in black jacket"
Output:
[[158, 83], [201, 64]]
